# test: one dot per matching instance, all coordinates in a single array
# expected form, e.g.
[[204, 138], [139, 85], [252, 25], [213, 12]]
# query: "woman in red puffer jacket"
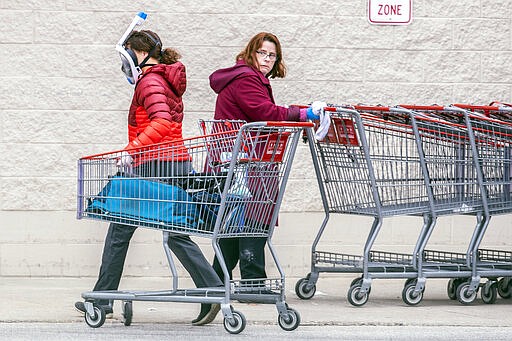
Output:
[[156, 111], [155, 116]]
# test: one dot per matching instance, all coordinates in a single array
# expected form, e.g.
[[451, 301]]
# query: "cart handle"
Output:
[[501, 103], [371, 108], [477, 107], [423, 107], [485, 108], [302, 106], [290, 124], [359, 107]]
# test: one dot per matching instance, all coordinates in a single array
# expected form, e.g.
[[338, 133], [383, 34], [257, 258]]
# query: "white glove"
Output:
[[318, 107], [325, 122], [125, 161]]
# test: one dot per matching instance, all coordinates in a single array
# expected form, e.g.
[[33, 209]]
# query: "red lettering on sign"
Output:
[[390, 9]]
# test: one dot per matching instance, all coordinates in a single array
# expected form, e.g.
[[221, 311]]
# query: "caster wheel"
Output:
[[302, 292], [355, 297], [98, 319], [489, 293], [127, 312], [359, 281], [290, 322], [409, 296], [505, 287], [451, 289], [237, 324], [410, 280], [464, 295]]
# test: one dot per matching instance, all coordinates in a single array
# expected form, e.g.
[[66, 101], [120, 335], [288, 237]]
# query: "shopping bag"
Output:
[[145, 201]]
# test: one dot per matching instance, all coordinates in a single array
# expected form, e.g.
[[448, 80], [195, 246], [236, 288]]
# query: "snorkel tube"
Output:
[[130, 67]]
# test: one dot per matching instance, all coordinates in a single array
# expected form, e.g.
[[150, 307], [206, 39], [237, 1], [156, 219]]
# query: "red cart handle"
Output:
[[290, 124]]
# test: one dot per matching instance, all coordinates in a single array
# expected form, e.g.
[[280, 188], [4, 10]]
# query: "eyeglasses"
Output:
[[263, 54]]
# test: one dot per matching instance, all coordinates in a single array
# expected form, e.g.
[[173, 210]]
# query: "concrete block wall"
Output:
[[63, 96]]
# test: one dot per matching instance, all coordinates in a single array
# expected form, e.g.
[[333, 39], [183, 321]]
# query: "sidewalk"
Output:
[[52, 299]]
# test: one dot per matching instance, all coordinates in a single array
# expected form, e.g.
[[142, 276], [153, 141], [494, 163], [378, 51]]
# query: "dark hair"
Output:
[[249, 54], [149, 41]]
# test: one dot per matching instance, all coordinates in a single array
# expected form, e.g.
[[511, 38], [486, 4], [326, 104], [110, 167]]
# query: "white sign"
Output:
[[390, 12]]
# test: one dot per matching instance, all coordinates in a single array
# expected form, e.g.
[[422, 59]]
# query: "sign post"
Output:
[[390, 12]]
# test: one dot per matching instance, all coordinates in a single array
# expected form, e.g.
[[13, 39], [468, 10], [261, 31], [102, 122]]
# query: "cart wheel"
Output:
[[291, 321], [489, 293], [98, 319], [238, 323], [355, 297], [464, 295], [357, 280], [452, 286], [410, 280], [127, 312], [451, 289], [302, 292], [409, 296], [505, 287]]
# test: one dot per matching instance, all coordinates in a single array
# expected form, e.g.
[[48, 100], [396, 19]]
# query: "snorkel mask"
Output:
[[130, 65]]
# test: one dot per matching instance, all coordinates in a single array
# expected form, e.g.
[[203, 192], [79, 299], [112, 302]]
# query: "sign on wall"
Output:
[[390, 12]]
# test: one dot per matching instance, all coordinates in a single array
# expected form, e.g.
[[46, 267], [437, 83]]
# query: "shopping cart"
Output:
[[384, 162], [367, 165], [492, 126], [239, 173], [490, 149]]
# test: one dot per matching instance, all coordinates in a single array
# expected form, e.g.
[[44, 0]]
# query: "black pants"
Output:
[[251, 253], [118, 239]]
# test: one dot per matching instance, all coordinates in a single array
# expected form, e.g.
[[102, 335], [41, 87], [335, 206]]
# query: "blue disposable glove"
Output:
[[313, 112], [311, 115]]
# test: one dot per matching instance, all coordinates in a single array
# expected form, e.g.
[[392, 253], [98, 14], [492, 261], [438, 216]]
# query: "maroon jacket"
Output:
[[245, 94]]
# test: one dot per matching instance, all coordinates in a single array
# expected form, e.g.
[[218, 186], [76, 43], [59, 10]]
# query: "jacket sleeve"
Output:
[[254, 99], [155, 131]]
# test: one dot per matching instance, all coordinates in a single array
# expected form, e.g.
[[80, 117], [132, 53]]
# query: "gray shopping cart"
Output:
[[390, 161], [239, 172]]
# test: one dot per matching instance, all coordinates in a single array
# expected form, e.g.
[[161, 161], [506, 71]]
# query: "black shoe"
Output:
[[207, 314], [80, 306]]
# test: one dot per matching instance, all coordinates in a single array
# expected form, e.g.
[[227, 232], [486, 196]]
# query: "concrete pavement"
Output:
[[51, 300]]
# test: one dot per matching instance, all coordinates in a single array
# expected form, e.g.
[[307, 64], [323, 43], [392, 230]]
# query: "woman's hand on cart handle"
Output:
[[326, 107], [306, 124], [125, 161], [315, 109]]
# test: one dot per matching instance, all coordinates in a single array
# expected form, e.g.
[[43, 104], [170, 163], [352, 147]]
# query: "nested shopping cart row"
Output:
[[233, 187], [425, 161]]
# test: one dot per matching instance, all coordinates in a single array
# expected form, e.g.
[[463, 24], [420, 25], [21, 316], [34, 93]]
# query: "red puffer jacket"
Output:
[[156, 113]]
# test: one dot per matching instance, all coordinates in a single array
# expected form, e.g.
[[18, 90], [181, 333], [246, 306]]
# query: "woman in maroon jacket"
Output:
[[244, 93], [155, 115]]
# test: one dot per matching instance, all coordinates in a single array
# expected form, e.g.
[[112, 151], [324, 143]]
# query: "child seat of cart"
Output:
[[341, 131], [220, 141]]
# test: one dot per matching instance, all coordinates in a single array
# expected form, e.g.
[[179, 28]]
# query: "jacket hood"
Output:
[[222, 77], [174, 74]]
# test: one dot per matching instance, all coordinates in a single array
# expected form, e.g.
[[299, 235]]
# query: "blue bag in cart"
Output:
[[148, 201]]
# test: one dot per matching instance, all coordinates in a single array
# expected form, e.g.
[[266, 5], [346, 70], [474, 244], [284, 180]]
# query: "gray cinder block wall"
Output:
[[63, 96]]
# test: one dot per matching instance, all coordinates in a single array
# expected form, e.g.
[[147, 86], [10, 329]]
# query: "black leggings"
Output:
[[251, 253]]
